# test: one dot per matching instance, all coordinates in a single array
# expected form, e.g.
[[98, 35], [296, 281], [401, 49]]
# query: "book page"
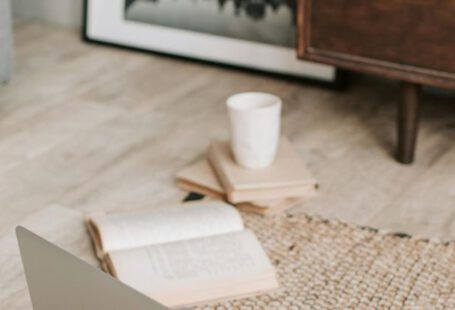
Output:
[[186, 221], [197, 266]]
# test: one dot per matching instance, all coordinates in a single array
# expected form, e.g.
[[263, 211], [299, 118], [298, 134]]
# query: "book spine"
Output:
[[303, 191]]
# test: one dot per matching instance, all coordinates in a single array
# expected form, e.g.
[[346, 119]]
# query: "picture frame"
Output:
[[108, 22]]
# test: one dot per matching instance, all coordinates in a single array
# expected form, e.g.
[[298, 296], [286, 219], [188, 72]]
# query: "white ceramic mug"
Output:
[[254, 128]]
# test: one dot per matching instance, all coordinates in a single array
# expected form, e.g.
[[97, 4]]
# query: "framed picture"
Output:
[[255, 34]]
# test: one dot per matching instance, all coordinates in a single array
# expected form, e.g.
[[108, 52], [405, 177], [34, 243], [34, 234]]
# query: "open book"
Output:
[[183, 255]]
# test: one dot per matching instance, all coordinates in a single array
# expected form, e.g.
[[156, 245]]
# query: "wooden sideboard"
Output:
[[409, 40]]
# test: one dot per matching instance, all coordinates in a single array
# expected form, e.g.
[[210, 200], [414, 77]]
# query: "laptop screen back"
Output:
[[58, 280]]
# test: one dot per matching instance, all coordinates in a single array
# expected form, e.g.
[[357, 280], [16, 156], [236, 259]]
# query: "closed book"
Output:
[[200, 178], [288, 175]]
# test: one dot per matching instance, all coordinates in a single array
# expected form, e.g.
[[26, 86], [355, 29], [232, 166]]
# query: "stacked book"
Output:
[[280, 186]]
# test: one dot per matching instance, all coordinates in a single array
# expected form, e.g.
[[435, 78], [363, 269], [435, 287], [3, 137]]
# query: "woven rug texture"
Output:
[[325, 264]]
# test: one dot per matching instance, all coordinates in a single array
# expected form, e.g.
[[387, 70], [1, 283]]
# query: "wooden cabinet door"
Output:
[[411, 40]]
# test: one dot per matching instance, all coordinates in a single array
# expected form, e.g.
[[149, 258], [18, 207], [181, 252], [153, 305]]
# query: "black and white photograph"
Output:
[[264, 21], [253, 34]]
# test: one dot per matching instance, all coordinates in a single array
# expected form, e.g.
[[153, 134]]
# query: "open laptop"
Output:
[[58, 280]]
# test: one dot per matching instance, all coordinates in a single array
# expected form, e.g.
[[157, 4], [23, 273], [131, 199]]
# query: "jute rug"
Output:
[[331, 265]]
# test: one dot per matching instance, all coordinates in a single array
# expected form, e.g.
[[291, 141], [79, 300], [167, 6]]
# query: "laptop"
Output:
[[58, 280]]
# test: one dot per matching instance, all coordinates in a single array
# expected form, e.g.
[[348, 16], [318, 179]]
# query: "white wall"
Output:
[[67, 13]]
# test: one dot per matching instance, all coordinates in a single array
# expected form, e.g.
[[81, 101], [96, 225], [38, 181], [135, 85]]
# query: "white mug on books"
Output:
[[254, 128]]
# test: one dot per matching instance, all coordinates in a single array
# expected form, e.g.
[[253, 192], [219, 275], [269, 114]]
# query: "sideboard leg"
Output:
[[408, 120]]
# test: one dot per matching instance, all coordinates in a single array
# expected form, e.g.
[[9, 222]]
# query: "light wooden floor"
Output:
[[98, 128]]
